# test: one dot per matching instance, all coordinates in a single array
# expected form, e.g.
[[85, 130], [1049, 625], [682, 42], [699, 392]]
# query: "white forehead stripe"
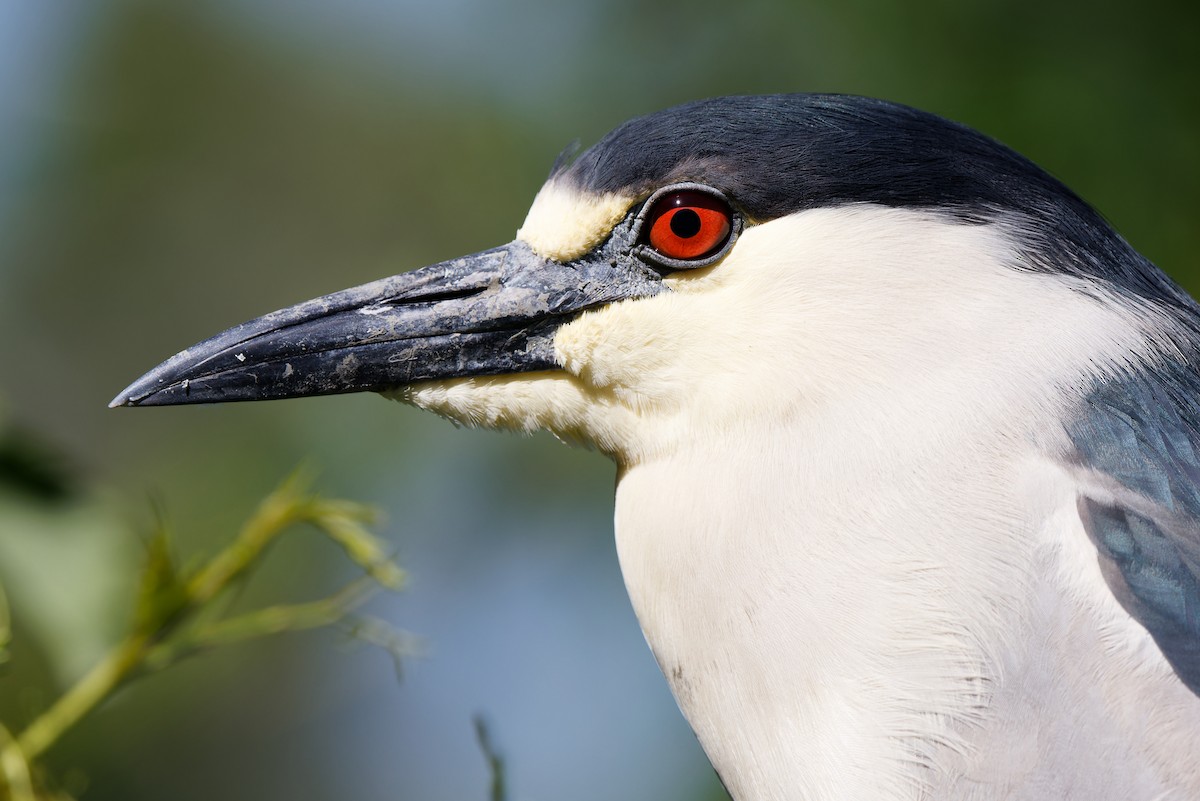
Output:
[[564, 223]]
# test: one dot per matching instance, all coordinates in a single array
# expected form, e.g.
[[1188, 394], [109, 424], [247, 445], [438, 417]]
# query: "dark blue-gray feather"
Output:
[[1143, 431], [774, 155]]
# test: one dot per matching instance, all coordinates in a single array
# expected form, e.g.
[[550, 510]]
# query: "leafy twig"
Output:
[[168, 623], [260, 623]]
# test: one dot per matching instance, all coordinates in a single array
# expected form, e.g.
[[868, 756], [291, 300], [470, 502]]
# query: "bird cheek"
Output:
[[624, 348]]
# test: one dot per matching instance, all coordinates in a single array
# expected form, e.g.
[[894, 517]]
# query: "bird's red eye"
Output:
[[689, 225]]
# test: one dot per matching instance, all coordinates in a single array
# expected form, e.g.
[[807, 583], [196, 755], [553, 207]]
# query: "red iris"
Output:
[[689, 225]]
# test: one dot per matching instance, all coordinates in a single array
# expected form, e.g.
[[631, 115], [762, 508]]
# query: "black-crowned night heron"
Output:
[[909, 490]]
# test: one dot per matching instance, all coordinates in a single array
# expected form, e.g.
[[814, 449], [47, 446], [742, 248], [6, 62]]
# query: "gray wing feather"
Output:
[[1142, 431]]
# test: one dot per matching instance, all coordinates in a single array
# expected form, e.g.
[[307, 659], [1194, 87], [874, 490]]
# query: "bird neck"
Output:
[[848, 623]]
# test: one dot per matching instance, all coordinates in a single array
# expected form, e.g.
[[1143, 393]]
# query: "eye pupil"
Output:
[[685, 223]]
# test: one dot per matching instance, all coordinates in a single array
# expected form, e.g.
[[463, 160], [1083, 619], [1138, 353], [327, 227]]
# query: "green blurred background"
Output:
[[170, 169]]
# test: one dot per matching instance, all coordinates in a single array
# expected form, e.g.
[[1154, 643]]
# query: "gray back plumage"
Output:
[[1143, 432]]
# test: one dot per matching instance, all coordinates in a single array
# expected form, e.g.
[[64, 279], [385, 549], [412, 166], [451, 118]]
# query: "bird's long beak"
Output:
[[489, 313]]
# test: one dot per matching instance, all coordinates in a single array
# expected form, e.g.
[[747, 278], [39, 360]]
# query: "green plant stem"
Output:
[[260, 623], [89, 691], [14, 769], [277, 511], [5, 626], [499, 788]]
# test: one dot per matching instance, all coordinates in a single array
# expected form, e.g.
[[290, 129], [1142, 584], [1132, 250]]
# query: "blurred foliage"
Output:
[[32, 468], [180, 612], [197, 164]]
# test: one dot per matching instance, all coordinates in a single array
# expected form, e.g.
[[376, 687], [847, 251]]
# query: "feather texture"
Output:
[[1141, 431]]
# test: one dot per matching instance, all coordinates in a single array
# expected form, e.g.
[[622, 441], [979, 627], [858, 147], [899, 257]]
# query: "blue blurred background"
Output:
[[170, 169]]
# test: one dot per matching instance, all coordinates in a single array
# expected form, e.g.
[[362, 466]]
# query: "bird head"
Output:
[[725, 261]]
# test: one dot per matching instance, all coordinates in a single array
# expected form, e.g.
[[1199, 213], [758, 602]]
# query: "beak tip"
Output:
[[134, 394], [127, 398], [124, 398]]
